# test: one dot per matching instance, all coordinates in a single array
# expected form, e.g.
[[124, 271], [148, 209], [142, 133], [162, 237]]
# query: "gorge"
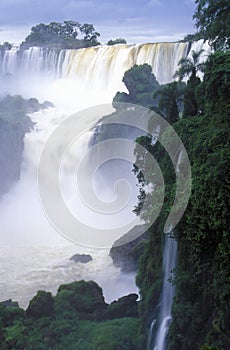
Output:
[[71, 80]]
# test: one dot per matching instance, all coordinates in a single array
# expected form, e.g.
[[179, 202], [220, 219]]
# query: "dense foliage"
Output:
[[201, 307], [76, 318], [140, 83], [170, 98], [213, 21], [116, 41], [189, 67], [62, 35], [5, 46]]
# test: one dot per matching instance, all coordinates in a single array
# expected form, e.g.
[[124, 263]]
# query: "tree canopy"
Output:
[[116, 41], [76, 318], [189, 67], [5, 46], [141, 84], [170, 98], [66, 35], [213, 21]]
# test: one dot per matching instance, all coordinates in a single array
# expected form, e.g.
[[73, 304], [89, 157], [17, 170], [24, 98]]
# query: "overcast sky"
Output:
[[135, 20]]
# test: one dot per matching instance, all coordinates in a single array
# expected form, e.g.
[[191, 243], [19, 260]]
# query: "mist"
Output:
[[34, 255]]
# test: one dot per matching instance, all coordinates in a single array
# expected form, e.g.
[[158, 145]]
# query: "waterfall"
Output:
[[48, 73], [100, 67], [72, 80], [165, 318], [158, 340]]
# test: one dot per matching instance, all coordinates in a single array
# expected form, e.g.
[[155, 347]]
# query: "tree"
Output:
[[190, 67], [90, 35], [80, 297], [170, 96], [191, 106], [41, 305], [5, 46], [216, 84], [62, 35], [116, 41], [141, 83], [213, 21], [70, 29]]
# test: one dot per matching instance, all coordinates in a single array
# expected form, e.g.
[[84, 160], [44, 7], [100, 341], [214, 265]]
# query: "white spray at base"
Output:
[[33, 256]]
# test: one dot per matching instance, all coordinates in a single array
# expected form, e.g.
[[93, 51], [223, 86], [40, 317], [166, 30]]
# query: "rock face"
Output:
[[12, 146], [14, 124], [125, 255], [82, 258]]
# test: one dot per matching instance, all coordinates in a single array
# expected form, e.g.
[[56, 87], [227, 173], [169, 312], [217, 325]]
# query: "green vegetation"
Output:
[[13, 109], [5, 46], [170, 98], [189, 68], [141, 84], [213, 21], [201, 306], [144, 90], [192, 37], [76, 318], [116, 41], [62, 35], [204, 246]]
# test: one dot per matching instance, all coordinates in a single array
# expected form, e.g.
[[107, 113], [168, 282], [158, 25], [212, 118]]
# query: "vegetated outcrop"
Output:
[[200, 310], [76, 318], [14, 124]]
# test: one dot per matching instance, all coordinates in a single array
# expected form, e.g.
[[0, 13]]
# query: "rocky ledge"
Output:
[[127, 250]]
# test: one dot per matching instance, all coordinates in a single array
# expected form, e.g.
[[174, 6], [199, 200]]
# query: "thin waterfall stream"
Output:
[[168, 291]]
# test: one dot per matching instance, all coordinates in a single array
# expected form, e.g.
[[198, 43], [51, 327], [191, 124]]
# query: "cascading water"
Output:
[[72, 80], [165, 318]]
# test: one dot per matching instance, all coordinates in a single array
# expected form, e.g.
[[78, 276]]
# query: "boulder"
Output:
[[82, 258]]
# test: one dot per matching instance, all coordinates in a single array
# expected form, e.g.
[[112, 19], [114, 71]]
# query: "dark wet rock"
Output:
[[82, 258], [126, 251], [12, 146], [14, 124]]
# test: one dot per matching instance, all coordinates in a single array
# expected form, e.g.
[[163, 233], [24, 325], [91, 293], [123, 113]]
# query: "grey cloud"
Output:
[[164, 17]]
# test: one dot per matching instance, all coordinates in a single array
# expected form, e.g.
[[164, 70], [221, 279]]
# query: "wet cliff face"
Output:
[[11, 144], [14, 124], [126, 252]]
